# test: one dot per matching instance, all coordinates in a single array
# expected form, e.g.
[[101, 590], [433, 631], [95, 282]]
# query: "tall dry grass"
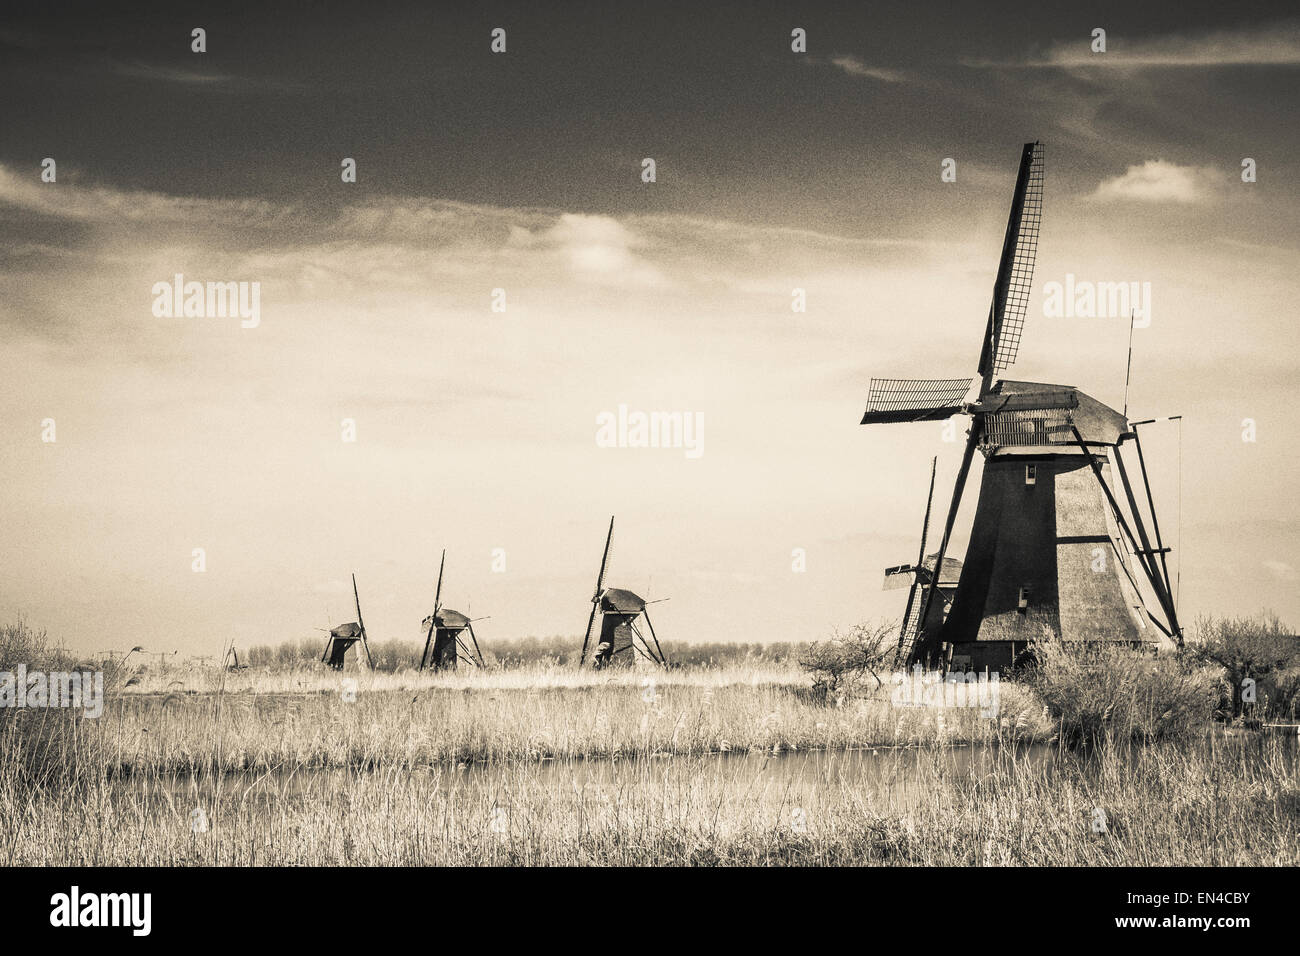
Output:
[[547, 765], [457, 721], [44, 746], [1197, 803]]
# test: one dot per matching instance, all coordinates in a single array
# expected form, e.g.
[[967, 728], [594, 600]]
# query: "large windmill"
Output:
[[621, 641], [345, 635], [1050, 547], [446, 634]]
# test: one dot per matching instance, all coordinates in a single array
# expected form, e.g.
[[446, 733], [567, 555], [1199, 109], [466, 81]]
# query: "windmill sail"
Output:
[[361, 624], [972, 440], [914, 399], [437, 606], [595, 598], [1016, 269], [437, 594], [912, 613], [897, 577], [911, 621]]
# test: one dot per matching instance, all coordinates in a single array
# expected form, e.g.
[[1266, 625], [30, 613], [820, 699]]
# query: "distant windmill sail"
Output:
[[912, 612], [433, 618], [595, 597], [365, 645]]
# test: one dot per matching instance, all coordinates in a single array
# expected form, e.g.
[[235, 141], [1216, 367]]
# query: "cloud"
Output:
[[594, 248], [170, 74], [1274, 45], [200, 80], [1159, 181], [855, 67], [107, 205]]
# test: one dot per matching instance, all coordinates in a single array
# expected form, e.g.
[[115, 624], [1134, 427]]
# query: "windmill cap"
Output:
[[1097, 423], [346, 630], [449, 618], [616, 599], [951, 568], [446, 617]]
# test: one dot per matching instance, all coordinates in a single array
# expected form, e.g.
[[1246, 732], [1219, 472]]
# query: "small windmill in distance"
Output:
[[445, 633], [620, 639], [345, 635]]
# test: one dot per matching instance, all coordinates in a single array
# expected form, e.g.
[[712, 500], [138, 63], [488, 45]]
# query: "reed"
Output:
[[544, 765], [1196, 802]]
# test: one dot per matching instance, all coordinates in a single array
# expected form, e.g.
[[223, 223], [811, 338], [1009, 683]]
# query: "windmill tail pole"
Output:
[[473, 637], [1145, 560], [663, 658], [1155, 525]]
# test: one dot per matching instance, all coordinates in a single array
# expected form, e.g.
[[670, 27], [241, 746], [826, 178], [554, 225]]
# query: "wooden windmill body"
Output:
[[450, 635], [342, 638], [621, 643], [1052, 550]]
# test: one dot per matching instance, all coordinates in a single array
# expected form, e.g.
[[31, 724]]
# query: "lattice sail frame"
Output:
[[1048, 426], [1011, 323], [918, 398], [912, 627]]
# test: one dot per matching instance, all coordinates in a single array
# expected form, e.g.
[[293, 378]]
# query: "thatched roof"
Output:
[[620, 601], [452, 619], [951, 569]]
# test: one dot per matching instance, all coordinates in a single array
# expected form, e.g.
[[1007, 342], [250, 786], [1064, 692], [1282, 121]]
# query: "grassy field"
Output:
[[1188, 803], [739, 764], [321, 720]]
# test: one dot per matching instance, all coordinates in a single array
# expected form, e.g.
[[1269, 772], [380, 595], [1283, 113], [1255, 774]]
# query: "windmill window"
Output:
[[1031, 474], [1023, 603]]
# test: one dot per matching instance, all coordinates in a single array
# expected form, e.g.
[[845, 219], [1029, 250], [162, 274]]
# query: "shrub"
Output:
[[1096, 692], [841, 664], [39, 745], [1259, 649]]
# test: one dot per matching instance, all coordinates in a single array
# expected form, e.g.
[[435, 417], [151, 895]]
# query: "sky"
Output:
[[476, 430]]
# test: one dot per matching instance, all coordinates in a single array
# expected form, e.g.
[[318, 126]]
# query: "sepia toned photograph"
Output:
[[591, 435]]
